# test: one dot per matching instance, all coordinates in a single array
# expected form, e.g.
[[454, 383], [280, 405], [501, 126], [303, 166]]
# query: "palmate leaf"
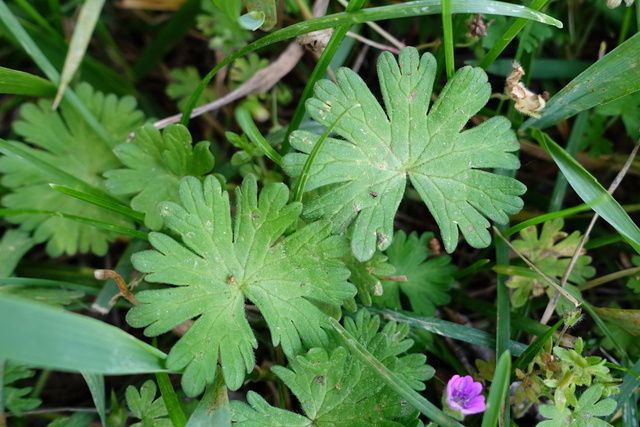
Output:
[[333, 387], [66, 142], [428, 281], [225, 263], [367, 171], [155, 164]]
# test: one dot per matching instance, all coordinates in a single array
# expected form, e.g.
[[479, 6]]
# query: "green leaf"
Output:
[[428, 281], [368, 171], [155, 164], [39, 335], [64, 140], [365, 275], [551, 252], [394, 381], [584, 415], [221, 264], [144, 405], [13, 245], [20, 83], [213, 409], [334, 388], [13, 398], [590, 190], [615, 75], [185, 81], [499, 390]]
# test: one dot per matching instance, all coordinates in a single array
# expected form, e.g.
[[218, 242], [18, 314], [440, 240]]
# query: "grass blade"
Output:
[[246, 123], [21, 152], [177, 416], [100, 224], [498, 393], [103, 203], [89, 15], [590, 190], [95, 382], [20, 83], [40, 335], [367, 359], [447, 329], [615, 75]]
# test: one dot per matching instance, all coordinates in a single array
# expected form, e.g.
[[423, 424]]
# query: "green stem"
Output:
[[448, 38]]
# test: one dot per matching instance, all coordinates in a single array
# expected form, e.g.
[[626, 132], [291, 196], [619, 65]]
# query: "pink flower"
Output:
[[463, 394]]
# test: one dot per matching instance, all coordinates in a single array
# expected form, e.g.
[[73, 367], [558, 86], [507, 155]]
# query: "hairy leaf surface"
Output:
[[333, 387], [155, 164], [221, 263], [65, 141], [365, 174]]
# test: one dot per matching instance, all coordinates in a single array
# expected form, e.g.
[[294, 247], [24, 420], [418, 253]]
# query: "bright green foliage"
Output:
[[558, 372], [156, 163], [13, 398], [65, 141], [367, 171], [78, 419], [221, 263], [334, 389], [577, 370], [551, 252], [145, 406], [588, 407], [365, 276], [428, 281], [185, 83]]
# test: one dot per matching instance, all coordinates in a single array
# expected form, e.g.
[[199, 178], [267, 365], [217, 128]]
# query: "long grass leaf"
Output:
[[101, 202], [43, 336], [590, 190], [177, 416], [447, 329], [20, 83], [498, 393], [95, 382], [22, 153], [615, 75], [392, 380], [99, 224], [87, 19], [246, 123]]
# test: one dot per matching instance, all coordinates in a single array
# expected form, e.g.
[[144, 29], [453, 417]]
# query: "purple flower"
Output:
[[463, 394]]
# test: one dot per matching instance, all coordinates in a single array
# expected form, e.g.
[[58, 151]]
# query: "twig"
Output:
[[122, 285], [614, 185]]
